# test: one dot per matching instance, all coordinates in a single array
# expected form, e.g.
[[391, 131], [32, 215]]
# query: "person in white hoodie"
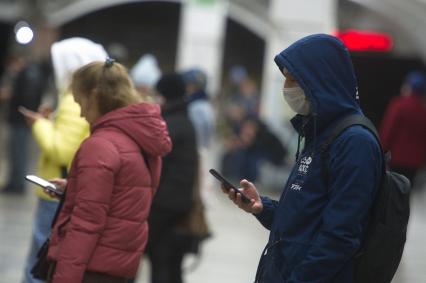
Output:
[[145, 74], [60, 137]]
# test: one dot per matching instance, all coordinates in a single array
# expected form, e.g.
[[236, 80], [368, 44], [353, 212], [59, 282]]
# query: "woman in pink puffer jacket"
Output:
[[102, 229]]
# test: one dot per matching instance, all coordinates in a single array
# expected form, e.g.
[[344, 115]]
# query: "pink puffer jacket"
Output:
[[102, 226]]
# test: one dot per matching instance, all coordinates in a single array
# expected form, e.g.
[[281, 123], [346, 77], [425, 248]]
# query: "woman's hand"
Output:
[[60, 185], [45, 110], [255, 206], [29, 115]]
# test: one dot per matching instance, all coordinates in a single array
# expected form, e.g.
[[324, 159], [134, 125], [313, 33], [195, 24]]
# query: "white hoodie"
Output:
[[146, 71], [70, 54]]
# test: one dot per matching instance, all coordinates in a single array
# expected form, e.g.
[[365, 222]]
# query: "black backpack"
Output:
[[383, 244]]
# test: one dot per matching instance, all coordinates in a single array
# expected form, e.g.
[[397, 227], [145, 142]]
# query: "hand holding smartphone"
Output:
[[228, 186], [44, 184], [30, 116]]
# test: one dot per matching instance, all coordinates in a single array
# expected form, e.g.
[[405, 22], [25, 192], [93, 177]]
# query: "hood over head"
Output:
[[322, 66], [196, 77], [143, 123], [70, 54], [146, 71]]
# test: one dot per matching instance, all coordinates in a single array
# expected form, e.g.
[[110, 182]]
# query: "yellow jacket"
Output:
[[59, 139]]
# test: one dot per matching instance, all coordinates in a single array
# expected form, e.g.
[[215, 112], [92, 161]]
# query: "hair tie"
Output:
[[109, 62]]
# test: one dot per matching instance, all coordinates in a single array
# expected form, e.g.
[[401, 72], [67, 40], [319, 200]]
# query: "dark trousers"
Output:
[[166, 258], [166, 249], [18, 153], [96, 277]]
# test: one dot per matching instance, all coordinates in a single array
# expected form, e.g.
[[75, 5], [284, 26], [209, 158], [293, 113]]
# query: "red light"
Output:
[[360, 40]]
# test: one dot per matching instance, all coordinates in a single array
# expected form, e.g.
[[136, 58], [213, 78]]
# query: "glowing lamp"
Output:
[[362, 40]]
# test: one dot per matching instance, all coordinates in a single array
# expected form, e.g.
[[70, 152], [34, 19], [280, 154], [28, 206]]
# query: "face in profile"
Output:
[[88, 107]]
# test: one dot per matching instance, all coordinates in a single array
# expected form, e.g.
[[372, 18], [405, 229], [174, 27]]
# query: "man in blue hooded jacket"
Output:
[[318, 225]]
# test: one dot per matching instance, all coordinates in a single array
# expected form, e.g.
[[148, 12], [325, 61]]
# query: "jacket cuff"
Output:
[[267, 210]]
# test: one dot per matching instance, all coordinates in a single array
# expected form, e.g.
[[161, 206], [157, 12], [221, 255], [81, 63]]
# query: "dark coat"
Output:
[[27, 90], [175, 194], [403, 131]]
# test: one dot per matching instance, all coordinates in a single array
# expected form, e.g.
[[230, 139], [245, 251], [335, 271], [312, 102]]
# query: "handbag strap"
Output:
[[58, 209], [64, 174]]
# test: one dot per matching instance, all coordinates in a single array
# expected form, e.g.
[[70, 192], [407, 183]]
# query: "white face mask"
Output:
[[296, 99]]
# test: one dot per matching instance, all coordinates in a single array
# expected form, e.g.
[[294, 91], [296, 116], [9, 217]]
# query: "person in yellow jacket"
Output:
[[59, 138]]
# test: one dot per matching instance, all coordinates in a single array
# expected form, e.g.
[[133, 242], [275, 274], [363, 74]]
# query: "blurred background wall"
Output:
[[219, 34]]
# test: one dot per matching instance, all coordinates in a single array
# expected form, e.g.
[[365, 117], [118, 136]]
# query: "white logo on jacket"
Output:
[[304, 165], [301, 171], [296, 187]]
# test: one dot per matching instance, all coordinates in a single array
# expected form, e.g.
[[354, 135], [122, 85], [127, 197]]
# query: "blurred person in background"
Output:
[[202, 116], [246, 96], [15, 62], [236, 75], [60, 137], [403, 128], [318, 226], [28, 83], [200, 110], [231, 114], [174, 199], [102, 230], [145, 74], [240, 104], [254, 143]]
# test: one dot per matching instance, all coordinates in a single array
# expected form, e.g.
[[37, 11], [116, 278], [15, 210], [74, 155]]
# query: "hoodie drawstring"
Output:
[[299, 139]]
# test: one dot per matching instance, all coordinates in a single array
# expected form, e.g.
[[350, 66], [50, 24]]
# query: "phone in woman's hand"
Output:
[[44, 184]]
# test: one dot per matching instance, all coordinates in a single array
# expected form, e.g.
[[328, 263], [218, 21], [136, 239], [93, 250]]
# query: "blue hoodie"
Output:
[[316, 229]]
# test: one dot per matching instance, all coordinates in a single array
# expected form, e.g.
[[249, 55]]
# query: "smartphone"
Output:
[[228, 186], [43, 183]]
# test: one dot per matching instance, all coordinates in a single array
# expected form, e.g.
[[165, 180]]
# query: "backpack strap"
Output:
[[350, 121], [340, 127]]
